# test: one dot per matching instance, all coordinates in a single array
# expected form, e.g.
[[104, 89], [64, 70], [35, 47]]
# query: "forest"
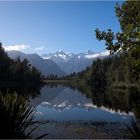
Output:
[[17, 72], [114, 70]]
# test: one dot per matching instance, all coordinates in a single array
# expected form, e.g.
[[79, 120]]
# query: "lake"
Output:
[[79, 111], [64, 106]]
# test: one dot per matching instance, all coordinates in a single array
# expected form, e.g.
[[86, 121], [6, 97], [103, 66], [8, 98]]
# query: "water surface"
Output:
[[62, 103]]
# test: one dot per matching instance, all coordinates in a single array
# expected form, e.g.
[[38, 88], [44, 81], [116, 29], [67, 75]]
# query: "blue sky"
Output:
[[47, 26]]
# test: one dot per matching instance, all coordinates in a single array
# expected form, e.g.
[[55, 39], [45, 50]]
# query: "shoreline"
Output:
[[82, 130]]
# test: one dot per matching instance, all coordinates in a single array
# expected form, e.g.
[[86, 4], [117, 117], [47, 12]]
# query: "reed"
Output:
[[134, 129], [16, 117]]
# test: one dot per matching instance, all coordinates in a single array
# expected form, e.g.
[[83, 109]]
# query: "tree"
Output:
[[128, 40], [16, 70], [4, 63]]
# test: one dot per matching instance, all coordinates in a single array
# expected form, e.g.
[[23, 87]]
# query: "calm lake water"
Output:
[[79, 111], [61, 103]]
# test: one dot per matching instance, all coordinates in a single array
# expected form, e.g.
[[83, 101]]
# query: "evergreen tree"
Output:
[[127, 41], [16, 70]]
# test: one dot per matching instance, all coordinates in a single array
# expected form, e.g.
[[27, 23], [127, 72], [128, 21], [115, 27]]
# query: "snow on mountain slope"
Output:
[[70, 62], [97, 55], [58, 56]]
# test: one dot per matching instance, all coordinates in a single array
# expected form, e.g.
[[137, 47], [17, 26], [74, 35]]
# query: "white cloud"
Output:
[[39, 48], [16, 47]]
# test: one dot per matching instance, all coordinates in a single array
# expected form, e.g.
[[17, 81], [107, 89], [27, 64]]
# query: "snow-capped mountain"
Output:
[[60, 63], [58, 56], [70, 62], [45, 66]]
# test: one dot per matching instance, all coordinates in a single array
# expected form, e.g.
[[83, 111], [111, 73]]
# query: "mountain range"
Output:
[[59, 63], [70, 62], [46, 67]]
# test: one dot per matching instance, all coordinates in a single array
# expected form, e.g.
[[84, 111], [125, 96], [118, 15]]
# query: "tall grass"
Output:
[[16, 116]]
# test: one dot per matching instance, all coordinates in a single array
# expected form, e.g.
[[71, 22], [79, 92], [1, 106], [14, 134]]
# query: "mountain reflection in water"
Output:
[[60, 103]]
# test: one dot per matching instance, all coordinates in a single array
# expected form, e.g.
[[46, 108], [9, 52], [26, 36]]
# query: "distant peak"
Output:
[[89, 52], [60, 52]]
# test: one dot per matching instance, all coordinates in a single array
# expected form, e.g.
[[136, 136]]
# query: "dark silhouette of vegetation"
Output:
[[113, 71], [27, 91], [17, 117], [128, 40], [112, 97], [51, 77], [134, 129], [122, 68], [17, 72]]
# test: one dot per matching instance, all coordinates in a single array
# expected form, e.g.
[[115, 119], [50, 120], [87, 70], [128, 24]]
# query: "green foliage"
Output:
[[129, 17], [107, 71], [128, 40], [16, 115], [135, 62], [4, 63], [121, 68], [16, 70], [98, 75]]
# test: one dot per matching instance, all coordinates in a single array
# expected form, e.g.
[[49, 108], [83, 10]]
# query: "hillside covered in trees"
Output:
[[17, 72], [122, 68], [112, 70]]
